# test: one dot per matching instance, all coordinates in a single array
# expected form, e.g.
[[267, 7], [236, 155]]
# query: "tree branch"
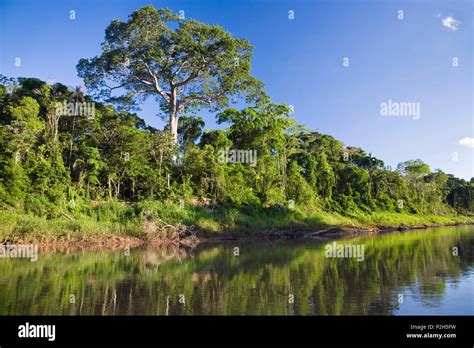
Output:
[[188, 100], [119, 86], [186, 80], [157, 86], [180, 67]]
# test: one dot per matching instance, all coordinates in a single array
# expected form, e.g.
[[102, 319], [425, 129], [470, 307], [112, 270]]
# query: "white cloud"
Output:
[[450, 23], [468, 142]]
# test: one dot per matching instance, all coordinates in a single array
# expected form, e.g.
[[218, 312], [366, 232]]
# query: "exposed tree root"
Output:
[[158, 231]]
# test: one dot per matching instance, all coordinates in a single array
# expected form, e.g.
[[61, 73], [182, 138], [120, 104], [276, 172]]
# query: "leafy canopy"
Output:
[[184, 64]]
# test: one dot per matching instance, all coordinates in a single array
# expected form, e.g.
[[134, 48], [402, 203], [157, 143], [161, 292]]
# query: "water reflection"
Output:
[[402, 273]]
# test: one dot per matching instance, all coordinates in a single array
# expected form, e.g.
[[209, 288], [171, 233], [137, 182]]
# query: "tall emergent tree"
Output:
[[183, 63]]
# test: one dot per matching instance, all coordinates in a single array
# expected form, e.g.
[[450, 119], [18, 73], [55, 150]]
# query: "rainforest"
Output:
[[190, 173]]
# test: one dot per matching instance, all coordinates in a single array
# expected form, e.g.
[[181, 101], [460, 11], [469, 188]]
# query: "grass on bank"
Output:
[[113, 218]]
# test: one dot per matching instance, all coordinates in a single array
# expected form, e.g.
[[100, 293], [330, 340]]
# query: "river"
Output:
[[421, 272]]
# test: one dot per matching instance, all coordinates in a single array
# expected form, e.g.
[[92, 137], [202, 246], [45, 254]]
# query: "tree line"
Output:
[[53, 155], [49, 161]]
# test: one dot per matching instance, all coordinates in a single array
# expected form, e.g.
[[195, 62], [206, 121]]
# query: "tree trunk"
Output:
[[174, 115], [110, 188], [72, 133], [117, 189]]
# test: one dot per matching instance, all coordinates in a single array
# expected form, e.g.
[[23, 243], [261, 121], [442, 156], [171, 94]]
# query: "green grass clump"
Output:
[[113, 218]]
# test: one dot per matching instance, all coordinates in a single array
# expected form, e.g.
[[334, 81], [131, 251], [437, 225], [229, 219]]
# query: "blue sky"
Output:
[[300, 61]]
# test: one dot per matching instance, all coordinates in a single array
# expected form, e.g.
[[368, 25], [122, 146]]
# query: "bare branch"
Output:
[[119, 86], [188, 100], [191, 77], [157, 86], [186, 80], [180, 67]]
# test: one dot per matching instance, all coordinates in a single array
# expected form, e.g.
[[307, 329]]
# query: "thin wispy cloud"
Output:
[[467, 141], [450, 23]]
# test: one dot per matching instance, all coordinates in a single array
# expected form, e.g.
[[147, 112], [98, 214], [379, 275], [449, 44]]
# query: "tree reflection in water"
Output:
[[419, 264]]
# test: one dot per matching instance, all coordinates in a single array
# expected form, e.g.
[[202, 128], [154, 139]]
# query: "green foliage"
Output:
[[183, 63], [116, 157], [52, 164], [37, 204], [111, 211]]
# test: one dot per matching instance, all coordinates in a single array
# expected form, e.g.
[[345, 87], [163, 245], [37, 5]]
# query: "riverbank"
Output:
[[115, 224]]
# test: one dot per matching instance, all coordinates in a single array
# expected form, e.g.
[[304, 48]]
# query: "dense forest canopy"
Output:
[[60, 148], [51, 162]]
